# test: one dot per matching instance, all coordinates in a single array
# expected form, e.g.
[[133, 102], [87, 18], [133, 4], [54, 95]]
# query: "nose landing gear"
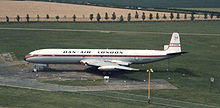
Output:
[[37, 67]]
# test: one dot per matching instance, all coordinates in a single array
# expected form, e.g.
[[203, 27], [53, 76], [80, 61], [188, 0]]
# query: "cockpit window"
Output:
[[29, 54]]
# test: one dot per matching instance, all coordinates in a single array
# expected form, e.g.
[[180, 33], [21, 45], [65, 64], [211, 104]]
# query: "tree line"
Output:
[[113, 16]]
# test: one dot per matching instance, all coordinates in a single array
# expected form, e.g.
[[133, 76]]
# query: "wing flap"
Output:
[[117, 68]]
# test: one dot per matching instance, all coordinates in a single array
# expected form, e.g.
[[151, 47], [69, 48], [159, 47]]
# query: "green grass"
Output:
[[148, 3], [25, 98], [204, 9], [182, 27], [76, 82], [201, 63]]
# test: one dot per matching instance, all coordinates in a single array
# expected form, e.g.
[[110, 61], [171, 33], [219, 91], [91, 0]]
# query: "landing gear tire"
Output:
[[34, 70]]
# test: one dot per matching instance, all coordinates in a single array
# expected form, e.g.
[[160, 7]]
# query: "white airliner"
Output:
[[105, 59]]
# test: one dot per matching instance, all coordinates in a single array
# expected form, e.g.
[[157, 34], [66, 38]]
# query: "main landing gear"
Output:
[[106, 76]]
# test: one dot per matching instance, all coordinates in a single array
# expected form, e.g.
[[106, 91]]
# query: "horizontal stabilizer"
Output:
[[178, 53]]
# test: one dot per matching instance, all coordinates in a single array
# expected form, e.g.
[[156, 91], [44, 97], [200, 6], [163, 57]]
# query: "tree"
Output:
[[57, 17], [113, 16], [106, 16], [178, 16], [143, 16], [64, 17], [47, 16], [171, 16], [38, 17], [91, 17], [205, 16], [211, 16], [74, 17], [192, 17], [7, 19], [218, 16], [157, 16], [129, 17], [98, 17], [18, 18], [136, 15], [27, 17], [185, 16], [164, 16], [121, 18], [150, 16]]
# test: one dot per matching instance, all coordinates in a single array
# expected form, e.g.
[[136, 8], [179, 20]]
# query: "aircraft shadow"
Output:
[[116, 74], [119, 74]]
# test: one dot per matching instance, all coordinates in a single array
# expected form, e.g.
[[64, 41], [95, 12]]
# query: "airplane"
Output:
[[105, 59]]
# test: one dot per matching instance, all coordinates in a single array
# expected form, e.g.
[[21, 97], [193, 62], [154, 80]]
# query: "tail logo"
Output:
[[175, 37]]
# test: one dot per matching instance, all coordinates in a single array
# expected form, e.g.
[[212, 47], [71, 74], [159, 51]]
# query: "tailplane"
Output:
[[174, 45]]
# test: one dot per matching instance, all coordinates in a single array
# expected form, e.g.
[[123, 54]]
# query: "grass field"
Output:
[[203, 9], [24, 98], [190, 72], [150, 3]]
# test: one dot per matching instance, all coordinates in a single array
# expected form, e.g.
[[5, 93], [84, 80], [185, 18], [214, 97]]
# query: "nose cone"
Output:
[[26, 58]]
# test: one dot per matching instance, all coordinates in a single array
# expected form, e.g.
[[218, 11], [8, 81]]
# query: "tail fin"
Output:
[[174, 45]]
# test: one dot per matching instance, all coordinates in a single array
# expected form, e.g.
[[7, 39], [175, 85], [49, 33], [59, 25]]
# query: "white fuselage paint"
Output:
[[101, 57], [74, 56]]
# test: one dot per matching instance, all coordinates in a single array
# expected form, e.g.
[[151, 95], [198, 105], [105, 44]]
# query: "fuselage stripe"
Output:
[[95, 56]]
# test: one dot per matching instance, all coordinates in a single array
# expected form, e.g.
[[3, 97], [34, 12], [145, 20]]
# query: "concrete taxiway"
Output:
[[16, 76]]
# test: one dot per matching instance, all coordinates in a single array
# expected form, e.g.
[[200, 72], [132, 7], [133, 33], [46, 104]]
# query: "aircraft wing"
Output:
[[106, 65], [117, 67]]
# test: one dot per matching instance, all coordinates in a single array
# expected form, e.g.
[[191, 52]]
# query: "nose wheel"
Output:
[[34, 69]]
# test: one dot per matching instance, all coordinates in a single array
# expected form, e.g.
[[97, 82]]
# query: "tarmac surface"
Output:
[[20, 75]]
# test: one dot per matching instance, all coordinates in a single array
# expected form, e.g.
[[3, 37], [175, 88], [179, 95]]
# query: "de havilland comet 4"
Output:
[[105, 59]]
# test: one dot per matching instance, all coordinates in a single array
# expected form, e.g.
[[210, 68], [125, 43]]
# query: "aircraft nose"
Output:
[[26, 57]]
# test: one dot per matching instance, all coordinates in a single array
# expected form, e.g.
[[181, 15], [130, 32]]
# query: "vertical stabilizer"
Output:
[[174, 45]]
